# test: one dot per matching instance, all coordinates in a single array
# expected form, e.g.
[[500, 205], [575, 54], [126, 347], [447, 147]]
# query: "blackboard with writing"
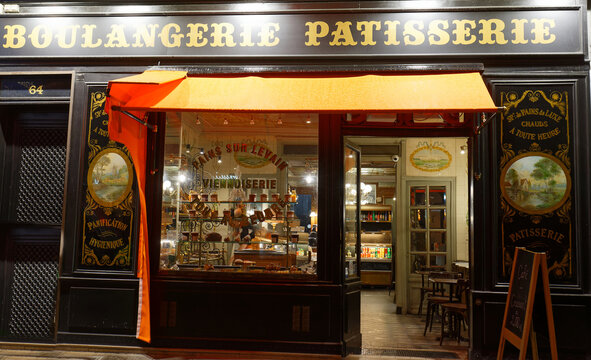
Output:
[[520, 289], [529, 286]]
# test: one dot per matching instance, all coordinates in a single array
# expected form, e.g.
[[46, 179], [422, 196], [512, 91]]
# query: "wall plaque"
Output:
[[535, 177], [109, 206]]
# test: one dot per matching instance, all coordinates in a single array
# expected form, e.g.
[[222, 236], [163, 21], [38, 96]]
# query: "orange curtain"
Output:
[[133, 135]]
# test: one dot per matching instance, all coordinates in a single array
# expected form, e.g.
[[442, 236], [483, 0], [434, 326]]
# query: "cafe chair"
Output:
[[425, 289], [456, 312], [438, 297]]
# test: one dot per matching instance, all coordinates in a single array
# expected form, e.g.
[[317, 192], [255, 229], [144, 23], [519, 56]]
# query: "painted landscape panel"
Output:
[[535, 184]]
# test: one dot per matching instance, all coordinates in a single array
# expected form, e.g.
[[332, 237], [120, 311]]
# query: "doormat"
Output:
[[410, 353]]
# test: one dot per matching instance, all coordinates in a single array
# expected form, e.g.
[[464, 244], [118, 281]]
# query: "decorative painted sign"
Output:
[[430, 34], [535, 177], [109, 208], [431, 157], [535, 183]]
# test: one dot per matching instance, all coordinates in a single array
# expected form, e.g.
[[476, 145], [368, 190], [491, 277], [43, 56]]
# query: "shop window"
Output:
[[240, 194]]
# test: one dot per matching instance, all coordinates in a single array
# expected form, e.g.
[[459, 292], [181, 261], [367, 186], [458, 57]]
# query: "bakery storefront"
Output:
[[212, 160]]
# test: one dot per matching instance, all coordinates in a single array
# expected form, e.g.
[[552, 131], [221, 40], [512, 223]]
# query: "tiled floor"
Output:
[[386, 336], [383, 329]]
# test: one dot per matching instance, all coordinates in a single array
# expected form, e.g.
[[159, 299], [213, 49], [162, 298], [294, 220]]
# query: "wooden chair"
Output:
[[457, 312], [438, 297], [424, 291]]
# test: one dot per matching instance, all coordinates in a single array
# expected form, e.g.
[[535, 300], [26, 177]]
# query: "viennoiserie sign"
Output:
[[387, 34]]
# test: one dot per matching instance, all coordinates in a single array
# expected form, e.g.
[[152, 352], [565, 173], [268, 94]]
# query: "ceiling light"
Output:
[[251, 120], [463, 149], [219, 159], [225, 121], [197, 121], [182, 178], [188, 148], [309, 179], [201, 151], [279, 121], [308, 121]]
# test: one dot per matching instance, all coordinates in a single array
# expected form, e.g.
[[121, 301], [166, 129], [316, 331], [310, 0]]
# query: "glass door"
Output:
[[351, 226], [428, 228]]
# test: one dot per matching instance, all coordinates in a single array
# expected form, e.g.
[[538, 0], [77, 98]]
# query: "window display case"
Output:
[[239, 205]]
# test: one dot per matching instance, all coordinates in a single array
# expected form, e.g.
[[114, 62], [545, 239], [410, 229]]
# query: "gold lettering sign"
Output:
[[533, 31]]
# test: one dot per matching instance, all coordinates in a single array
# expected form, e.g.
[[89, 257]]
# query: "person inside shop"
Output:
[[241, 234]]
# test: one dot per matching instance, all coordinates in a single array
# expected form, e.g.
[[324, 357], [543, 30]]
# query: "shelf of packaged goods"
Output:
[[369, 221], [376, 259]]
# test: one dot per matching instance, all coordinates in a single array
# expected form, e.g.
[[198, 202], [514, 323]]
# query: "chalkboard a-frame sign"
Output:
[[517, 322]]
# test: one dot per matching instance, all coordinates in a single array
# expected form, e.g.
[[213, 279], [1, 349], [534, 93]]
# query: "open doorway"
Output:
[[413, 218]]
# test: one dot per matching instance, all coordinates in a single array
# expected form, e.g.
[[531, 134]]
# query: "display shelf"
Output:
[[376, 259], [236, 202], [283, 243], [187, 217]]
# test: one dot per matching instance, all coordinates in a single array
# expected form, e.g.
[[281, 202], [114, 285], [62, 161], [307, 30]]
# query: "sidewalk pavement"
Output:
[[23, 351]]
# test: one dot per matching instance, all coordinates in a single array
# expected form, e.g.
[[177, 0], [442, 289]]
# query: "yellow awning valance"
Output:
[[174, 91]]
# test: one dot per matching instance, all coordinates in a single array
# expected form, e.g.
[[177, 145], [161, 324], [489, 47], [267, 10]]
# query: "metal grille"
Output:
[[32, 292], [411, 353], [41, 176]]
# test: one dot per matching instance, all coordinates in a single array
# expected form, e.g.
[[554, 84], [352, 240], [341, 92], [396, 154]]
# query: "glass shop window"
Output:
[[240, 194]]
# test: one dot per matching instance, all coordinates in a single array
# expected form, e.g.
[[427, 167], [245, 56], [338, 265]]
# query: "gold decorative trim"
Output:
[[562, 154], [511, 100], [508, 153], [564, 212], [90, 258], [508, 211]]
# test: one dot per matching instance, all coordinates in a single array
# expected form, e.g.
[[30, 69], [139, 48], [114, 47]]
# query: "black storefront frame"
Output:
[[509, 67], [332, 128]]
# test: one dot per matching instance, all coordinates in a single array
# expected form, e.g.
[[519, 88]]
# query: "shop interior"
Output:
[[413, 220]]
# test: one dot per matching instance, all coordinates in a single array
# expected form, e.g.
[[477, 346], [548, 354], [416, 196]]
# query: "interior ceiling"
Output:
[[376, 157]]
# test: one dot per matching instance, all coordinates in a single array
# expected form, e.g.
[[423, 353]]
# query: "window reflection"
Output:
[[240, 194]]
